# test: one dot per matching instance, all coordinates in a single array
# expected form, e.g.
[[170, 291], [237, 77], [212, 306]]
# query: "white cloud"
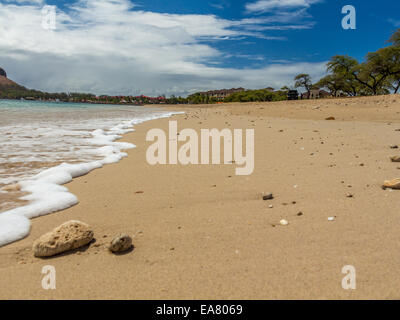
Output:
[[108, 46], [222, 4], [282, 14], [269, 5], [25, 1]]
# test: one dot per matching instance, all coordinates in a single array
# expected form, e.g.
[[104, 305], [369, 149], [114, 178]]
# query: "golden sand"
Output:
[[201, 232]]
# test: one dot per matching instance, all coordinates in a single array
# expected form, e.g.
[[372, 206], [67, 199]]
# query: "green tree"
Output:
[[386, 62], [380, 71], [353, 72], [395, 38], [303, 80], [332, 82]]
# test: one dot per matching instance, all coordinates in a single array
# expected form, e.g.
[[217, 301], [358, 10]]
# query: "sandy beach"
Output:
[[202, 232]]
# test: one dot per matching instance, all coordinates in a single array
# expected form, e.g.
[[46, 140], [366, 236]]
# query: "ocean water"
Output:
[[45, 145]]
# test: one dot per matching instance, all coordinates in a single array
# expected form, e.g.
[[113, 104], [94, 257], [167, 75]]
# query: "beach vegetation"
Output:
[[257, 95]]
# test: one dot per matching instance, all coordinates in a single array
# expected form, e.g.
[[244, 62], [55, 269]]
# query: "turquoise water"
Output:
[[16, 112]]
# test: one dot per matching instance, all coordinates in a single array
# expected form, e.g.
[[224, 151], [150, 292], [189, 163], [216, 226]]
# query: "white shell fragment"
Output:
[[331, 219], [284, 222]]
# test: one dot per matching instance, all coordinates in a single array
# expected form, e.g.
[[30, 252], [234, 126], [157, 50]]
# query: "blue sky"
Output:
[[182, 46]]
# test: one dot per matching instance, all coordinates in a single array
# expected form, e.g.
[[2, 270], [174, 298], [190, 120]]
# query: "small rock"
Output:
[[70, 235], [284, 222], [349, 195], [270, 206], [392, 184], [331, 219], [394, 147], [395, 159], [120, 243], [330, 118], [268, 197], [300, 214]]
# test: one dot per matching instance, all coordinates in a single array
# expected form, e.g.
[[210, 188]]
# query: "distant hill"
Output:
[[10, 89], [7, 84], [3, 72]]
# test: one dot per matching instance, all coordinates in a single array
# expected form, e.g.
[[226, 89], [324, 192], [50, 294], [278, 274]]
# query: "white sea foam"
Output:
[[12, 228], [45, 191]]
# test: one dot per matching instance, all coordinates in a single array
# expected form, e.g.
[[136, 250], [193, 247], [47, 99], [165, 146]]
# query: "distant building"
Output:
[[315, 94], [270, 89], [221, 94], [293, 95]]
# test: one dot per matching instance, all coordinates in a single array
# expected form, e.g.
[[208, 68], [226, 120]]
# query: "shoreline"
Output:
[[200, 232], [44, 193]]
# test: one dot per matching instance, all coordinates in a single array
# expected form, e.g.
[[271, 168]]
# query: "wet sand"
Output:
[[201, 232]]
